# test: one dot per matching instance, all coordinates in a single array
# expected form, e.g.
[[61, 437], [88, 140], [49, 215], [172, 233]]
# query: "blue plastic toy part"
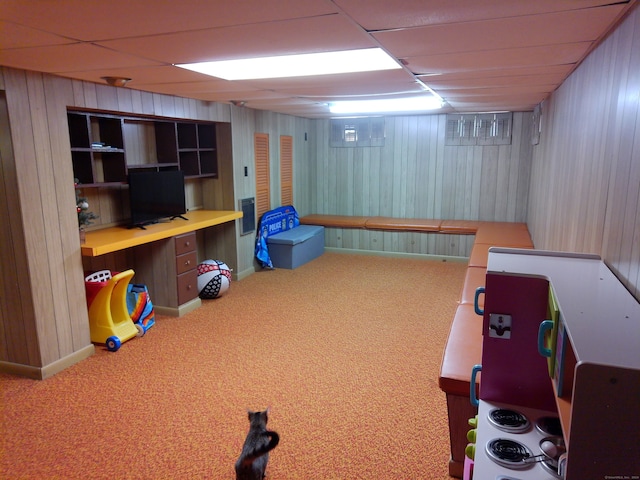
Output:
[[472, 390], [544, 328], [476, 307], [113, 344]]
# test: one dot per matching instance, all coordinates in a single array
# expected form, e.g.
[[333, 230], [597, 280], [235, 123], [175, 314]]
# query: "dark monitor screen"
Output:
[[156, 195]]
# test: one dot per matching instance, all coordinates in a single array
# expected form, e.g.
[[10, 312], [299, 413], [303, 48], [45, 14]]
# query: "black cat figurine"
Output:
[[252, 462]]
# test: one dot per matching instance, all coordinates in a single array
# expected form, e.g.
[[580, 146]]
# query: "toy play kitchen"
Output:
[[560, 375]]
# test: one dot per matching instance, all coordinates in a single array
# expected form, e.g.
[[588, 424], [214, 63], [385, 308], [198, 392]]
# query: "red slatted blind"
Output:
[[261, 154], [286, 169]]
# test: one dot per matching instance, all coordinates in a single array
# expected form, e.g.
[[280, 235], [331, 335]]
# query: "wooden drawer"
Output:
[[185, 243], [187, 286], [186, 262]]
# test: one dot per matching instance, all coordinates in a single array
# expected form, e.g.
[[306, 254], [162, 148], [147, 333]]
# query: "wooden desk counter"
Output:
[[112, 239]]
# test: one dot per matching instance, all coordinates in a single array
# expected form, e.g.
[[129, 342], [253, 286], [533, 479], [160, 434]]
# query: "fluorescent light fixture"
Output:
[[407, 104], [324, 63]]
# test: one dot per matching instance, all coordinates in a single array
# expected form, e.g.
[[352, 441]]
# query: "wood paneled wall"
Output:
[[585, 182], [44, 316], [415, 175], [48, 320]]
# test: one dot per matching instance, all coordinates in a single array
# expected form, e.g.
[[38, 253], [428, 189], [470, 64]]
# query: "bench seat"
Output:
[[403, 224], [474, 278], [335, 221], [462, 351], [504, 234], [461, 227]]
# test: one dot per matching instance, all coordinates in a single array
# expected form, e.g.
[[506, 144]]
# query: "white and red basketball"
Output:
[[214, 278]]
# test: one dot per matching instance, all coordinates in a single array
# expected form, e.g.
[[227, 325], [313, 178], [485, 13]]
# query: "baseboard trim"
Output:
[[422, 256], [244, 273], [41, 373], [183, 309]]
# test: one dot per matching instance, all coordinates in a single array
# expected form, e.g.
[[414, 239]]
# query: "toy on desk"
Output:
[[109, 319]]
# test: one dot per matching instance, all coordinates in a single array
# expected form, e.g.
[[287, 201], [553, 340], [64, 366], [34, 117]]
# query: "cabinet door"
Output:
[[187, 286], [605, 425], [512, 369]]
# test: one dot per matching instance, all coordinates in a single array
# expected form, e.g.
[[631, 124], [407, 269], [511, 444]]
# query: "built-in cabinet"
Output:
[[106, 146]]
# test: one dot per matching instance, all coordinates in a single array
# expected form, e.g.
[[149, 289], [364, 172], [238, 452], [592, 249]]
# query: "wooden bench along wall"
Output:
[[463, 348]]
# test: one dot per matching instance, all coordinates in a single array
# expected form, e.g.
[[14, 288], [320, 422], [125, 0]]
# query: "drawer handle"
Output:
[[188, 262], [187, 244], [188, 287]]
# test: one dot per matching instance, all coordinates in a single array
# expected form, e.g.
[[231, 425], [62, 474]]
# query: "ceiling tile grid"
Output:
[[479, 55]]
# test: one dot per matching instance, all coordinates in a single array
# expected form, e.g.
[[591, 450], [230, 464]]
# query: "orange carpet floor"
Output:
[[345, 350]]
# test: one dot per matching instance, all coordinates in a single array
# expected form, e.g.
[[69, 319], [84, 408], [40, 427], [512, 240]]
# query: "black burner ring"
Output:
[[509, 420], [509, 453]]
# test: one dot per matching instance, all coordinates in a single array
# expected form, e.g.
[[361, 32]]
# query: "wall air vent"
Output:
[[248, 208]]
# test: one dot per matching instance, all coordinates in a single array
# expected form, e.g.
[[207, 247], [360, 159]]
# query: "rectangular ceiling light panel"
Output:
[[410, 104], [324, 63]]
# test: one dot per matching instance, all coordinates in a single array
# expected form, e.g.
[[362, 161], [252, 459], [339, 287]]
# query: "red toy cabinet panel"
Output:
[[513, 371]]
